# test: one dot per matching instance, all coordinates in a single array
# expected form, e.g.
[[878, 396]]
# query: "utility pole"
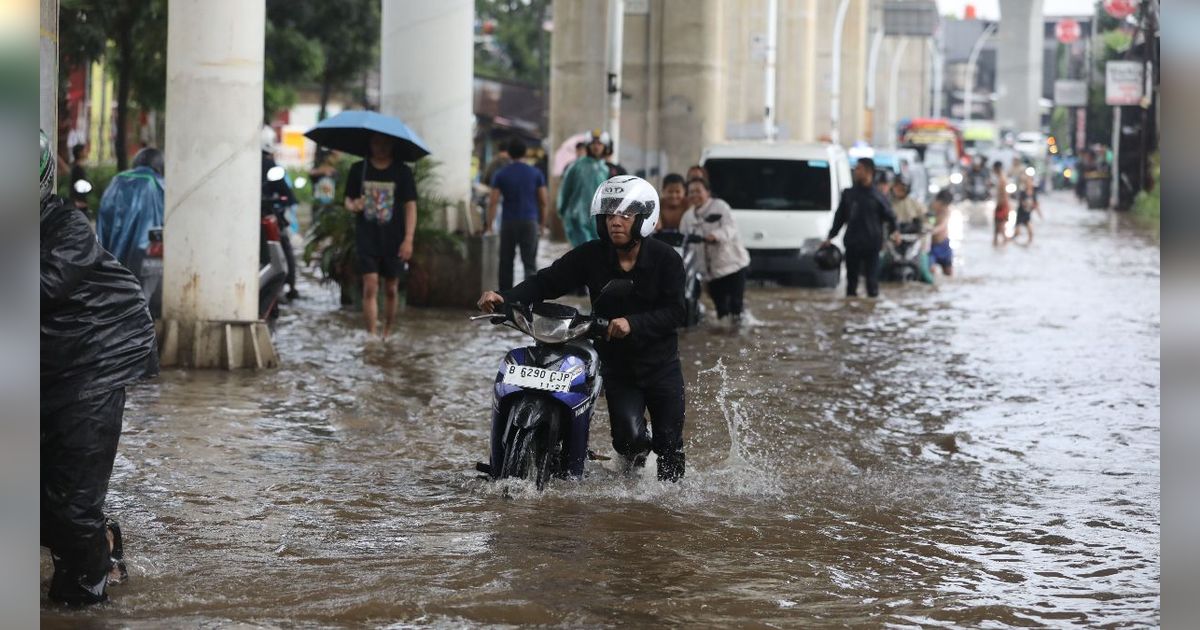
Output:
[[769, 70], [835, 90], [616, 40]]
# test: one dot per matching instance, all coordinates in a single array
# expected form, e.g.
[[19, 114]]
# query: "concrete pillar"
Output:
[[1019, 65], [427, 62], [48, 70], [693, 99], [808, 89], [855, 43], [213, 170], [578, 83]]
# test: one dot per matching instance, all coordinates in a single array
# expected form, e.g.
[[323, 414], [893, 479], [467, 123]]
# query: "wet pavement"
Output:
[[982, 453]]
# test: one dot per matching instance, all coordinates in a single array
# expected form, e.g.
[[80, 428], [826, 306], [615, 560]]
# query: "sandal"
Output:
[[118, 573]]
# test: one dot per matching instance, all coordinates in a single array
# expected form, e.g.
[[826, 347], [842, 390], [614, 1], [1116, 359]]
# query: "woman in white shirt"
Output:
[[724, 260]]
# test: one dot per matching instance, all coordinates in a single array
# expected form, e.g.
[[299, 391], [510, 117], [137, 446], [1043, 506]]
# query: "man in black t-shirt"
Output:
[[381, 190]]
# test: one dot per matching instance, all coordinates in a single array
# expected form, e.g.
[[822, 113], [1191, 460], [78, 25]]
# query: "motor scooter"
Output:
[[544, 394], [684, 245]]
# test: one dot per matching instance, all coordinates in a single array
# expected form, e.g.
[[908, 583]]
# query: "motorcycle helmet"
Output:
[[266, 139], [602, 136], [828, 257], [151, 158], [629, 196], [46, 167]]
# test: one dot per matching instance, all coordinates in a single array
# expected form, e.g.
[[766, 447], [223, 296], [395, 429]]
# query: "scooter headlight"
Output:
[[550, 329], [956, 178]]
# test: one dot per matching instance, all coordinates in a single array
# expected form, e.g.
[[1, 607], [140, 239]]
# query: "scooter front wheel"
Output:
[[534, 445]]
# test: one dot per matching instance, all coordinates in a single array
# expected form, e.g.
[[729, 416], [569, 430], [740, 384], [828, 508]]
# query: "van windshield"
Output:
[[764, 184]]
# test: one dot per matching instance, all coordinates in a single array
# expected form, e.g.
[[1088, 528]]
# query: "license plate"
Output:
[[538, 378]]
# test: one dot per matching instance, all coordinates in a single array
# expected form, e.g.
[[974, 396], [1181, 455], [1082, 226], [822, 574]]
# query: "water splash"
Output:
[[735, 421]]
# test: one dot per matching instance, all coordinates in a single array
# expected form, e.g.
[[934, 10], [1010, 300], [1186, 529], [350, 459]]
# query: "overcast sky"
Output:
[[990, 9]]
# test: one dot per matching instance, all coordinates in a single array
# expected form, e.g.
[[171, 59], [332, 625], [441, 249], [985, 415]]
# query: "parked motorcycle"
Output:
[[272, 255], [544, 394], [902, 262], [692, 283], [272, 273]]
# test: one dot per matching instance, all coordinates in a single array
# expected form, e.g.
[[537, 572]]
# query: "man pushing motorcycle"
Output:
[[640, 356]]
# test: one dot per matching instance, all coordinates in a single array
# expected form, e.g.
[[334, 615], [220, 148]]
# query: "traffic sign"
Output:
[[1123, 81], [1067, 31], [1120, 9]]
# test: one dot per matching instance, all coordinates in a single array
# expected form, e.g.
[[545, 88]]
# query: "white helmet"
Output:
[[266, 139], [629, 196]]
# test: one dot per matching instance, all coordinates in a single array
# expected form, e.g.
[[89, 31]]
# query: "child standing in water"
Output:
[[1027, 204], [1002, 204]]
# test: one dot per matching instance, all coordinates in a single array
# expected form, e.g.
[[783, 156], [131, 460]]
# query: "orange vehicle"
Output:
[[920, 133]]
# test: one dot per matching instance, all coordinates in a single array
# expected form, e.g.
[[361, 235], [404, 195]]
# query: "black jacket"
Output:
[[654, 309], [96, 332], [863, 210]]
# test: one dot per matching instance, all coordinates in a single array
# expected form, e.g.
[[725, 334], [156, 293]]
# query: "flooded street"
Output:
[[983, 453]]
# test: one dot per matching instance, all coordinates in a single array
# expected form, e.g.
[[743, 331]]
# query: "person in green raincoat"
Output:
[[578, 186]]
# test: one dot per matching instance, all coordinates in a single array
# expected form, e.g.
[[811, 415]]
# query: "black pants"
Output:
[[727, 293], [513, 234], [79, 443], [862, 262], [661, 394]]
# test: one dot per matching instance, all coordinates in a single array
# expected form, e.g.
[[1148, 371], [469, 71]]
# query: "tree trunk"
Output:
[[124, 53], [326, 88]]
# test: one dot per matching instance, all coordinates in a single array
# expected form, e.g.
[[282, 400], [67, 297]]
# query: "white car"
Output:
[[1030, 144], [783, 197]]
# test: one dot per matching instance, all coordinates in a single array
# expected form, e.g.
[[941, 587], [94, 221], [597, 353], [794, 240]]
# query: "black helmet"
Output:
[[151, 158], [46, 167], [828, 257]]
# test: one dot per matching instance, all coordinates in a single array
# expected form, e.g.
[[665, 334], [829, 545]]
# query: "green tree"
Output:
[[348, 34], [518, 48], [132, 36], [292, 57]]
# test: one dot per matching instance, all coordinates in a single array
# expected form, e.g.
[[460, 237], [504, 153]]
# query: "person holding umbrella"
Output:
[[382, 192]]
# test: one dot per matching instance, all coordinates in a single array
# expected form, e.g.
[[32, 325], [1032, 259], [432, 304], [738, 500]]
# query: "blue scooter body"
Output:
[[578, 402]]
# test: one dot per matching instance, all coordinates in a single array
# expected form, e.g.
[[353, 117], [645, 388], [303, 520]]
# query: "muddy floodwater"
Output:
[[983, 453]]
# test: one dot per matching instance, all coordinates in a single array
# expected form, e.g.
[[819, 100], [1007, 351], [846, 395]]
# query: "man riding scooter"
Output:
[[640, 358]]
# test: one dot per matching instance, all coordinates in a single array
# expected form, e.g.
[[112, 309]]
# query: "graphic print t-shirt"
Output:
[[324, 189], [380, 226]]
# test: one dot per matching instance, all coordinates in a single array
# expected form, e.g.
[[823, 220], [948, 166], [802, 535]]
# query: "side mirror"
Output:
[[275, 173], [615, 289]]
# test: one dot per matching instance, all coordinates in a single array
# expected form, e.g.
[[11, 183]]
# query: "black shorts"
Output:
[[1023, 217], [386, 266]]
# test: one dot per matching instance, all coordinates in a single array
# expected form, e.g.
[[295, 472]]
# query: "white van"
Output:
[[783, 197]]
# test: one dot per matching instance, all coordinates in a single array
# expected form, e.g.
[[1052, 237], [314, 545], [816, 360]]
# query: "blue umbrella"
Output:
[[350, 132]]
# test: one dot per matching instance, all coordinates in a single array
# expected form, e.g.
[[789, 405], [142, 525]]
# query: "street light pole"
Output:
[[894, 89], [872, 64], [969, 98]]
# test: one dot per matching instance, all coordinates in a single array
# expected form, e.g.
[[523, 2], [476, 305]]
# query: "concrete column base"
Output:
[[208, 344]]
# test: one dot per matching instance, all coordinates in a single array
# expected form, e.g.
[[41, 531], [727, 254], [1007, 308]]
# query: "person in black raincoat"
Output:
[[96, 338], [864, 211]]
